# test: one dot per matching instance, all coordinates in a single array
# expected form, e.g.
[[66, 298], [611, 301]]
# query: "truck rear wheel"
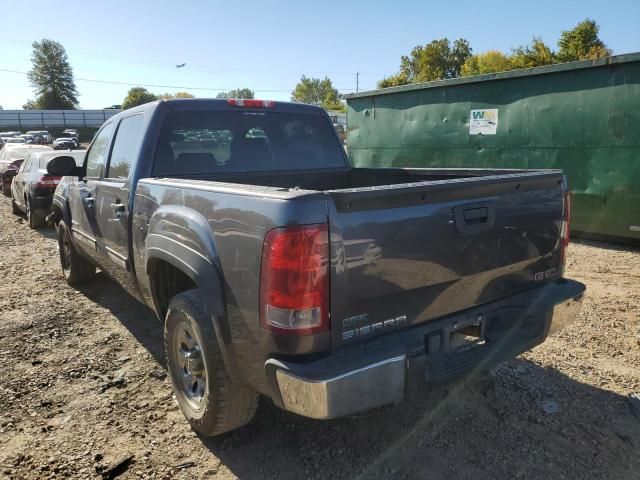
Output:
[[75, 267], [211, 402]]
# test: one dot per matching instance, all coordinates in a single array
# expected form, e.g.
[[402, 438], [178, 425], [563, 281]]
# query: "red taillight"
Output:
[[294, 280], [250, 103], [47, 181], [566, 223]]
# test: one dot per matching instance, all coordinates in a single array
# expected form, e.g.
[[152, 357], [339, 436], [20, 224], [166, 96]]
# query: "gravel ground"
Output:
[[83, 389]]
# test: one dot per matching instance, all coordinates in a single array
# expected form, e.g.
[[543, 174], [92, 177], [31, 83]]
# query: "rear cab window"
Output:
[[214, 142]]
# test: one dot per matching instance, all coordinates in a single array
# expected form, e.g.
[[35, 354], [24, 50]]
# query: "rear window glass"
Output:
[[245, 141], [20, 153]]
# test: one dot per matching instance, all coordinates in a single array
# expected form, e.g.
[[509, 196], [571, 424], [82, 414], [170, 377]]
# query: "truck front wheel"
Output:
[[211, 402], [75, 267]]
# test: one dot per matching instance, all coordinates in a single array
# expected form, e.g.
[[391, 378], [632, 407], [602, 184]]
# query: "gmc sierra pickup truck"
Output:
[[277, 269]]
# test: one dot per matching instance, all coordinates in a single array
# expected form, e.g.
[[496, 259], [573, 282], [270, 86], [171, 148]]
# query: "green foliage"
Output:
[[582, 43], [487, 62], [237, 93], [440, 59], [535, 55], [137, 96], [169, 96], [52, 77], [437, 60], [30, 105], [393, 81], [317, 92], [526, 56]]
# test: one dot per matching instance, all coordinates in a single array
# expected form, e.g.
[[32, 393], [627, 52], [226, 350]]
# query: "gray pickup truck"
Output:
[[277, 269]]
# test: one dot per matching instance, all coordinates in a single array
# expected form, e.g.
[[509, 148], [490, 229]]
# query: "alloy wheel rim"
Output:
[[189, 361]]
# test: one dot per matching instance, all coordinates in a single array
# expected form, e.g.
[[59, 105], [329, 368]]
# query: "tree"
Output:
[[137, 96], [487, 62], [169, 96], [317, 92], [237, 93], [30, 105], [52, 77], [535, 55], [437, 60], [582, 43]]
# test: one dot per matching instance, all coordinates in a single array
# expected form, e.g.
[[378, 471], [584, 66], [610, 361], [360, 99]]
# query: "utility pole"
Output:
[[357, 81]]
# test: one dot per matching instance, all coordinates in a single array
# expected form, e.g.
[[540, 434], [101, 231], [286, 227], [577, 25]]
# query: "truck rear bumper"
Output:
[[389, 368]]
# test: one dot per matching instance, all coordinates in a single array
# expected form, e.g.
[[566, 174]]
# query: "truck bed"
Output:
[[413, 244]]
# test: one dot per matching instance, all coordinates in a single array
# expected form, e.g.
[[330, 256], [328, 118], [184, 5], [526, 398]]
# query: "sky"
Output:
[[267, 45]]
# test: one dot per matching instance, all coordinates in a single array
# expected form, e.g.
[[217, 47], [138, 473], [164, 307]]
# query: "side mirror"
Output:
[[62, 166]]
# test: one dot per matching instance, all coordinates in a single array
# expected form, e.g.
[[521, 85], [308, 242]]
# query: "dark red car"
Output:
[[11, 157], [8, 170]]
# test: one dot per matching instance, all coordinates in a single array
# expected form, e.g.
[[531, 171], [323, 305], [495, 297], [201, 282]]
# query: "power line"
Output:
[[135, 84]]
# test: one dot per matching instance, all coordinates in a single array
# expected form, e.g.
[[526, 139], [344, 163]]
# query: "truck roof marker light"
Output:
[[251, 103]]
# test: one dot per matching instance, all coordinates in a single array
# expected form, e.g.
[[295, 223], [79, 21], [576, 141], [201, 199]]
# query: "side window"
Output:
[[125, 147], [97, 156]]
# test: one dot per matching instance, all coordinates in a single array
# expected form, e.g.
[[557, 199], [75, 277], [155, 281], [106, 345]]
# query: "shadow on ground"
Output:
[[534, 423], [136, 317]]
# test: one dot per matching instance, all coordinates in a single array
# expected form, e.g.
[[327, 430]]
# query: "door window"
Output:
[[97, 156], [125, 147]]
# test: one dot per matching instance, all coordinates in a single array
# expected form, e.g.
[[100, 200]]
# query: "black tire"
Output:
[[75, 268], [33, 219], [6, 191], [212, 404], [14, 207]]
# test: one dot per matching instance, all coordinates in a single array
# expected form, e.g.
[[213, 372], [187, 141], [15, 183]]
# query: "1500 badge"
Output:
[[356, 329]]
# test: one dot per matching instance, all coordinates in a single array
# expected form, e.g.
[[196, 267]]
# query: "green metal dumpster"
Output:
[[582, 117]]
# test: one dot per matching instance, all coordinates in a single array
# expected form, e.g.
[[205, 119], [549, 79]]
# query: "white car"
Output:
[[16, 140]]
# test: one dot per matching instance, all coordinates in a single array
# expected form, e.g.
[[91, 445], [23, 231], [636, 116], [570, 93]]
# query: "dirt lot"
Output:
[[83, 386]]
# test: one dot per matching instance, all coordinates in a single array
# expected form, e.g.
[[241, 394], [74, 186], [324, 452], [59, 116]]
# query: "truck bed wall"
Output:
[[582, 118], [341, 179]]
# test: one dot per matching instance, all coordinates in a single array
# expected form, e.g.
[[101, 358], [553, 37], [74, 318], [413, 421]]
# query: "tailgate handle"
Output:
[[476, 215], [474, 218]]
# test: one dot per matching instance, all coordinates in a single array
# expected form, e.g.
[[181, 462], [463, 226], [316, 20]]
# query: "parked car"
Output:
[[11, 156], [41, 137], [71, 132], [28, 139], [64, 143], [16, 140], [10, 134], [32, 188], [445, 272]]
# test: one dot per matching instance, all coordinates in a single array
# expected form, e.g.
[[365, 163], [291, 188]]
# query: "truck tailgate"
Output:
[[405, 254]]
